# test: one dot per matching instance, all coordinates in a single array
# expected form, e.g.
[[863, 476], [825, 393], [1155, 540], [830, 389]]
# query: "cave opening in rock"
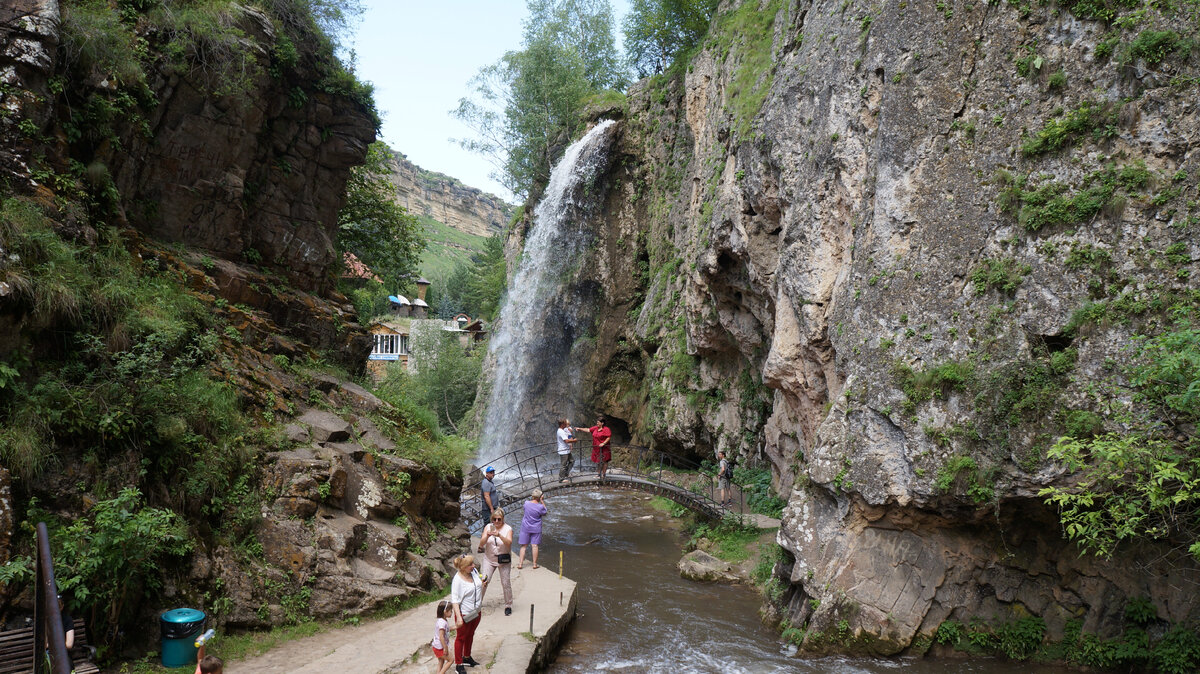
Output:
[[619, 428]]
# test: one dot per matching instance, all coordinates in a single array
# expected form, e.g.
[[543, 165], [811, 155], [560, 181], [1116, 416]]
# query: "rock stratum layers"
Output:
[[447, 200], [837, 208]]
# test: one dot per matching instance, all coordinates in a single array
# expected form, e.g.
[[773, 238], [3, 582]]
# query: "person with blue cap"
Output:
[[487, 491]]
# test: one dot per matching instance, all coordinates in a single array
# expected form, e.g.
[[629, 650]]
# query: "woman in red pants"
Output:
[[466, 596]]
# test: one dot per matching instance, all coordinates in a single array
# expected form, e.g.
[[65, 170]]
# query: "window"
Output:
[[389, 347]]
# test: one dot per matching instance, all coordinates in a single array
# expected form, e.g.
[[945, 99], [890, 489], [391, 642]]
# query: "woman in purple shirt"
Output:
[[531, 526]]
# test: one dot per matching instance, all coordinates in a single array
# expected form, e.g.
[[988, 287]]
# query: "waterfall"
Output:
[[534, 378]]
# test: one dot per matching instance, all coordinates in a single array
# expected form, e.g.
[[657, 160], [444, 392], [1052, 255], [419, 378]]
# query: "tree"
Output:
[[658, 31], [476, 287], [1143, 482], [527, 106], [446, 378], [373, 226], [582, 27]]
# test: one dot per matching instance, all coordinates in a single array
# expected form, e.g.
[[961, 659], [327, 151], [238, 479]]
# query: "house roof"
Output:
[[398, 299], [355, 268], [418, 302]]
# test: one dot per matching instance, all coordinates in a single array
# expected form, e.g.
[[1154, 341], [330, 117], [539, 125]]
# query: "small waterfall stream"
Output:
[[543, 316]]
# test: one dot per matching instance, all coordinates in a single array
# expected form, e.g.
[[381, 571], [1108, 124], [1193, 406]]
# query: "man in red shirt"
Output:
[[601, 449]]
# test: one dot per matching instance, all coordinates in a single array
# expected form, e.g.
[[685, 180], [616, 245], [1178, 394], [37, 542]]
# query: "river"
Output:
[[636, 614]]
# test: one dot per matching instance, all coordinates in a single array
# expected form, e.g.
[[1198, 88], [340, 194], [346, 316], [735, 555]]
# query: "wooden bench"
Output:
[[17, 652]]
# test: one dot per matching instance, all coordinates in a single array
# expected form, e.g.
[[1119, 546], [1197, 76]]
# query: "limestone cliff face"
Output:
[[794, 238], [447, 200]]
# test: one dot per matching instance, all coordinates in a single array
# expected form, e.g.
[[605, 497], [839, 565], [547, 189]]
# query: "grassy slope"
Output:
[[445, 248]]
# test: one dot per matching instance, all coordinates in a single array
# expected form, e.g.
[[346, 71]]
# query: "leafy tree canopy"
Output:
[[475, 287], [374, 227], [527, 106], [658, 31]]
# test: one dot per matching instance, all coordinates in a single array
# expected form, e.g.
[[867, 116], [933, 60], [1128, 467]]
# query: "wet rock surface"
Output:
[[770, 274]]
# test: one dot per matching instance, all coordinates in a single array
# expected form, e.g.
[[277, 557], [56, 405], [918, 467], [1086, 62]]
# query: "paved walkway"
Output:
[[400, 644]]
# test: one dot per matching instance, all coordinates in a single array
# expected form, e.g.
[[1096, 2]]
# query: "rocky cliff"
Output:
[[172, 178], [447, 200], [895, 251]]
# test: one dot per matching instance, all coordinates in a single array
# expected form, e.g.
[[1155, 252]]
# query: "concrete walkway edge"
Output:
[[400, 644]]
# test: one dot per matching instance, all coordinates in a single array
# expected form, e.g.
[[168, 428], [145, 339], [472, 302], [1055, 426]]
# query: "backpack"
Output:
[[730, 464]]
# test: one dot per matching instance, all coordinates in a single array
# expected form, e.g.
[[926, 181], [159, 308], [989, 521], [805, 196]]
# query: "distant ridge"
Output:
[[447, 200], [457, 219]]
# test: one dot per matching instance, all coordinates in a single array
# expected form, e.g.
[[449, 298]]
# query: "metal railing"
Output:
[[47, 618], [632, 468]]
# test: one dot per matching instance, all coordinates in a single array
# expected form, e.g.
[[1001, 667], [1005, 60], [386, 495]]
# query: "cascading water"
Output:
[[544, 315]]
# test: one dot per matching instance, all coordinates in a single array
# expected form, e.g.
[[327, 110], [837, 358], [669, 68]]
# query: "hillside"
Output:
[[456, 219], [176, 399]]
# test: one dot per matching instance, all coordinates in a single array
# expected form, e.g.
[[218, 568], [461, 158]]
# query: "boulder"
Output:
[[296, 433], [699, 565], [326, 426], [287, 544]]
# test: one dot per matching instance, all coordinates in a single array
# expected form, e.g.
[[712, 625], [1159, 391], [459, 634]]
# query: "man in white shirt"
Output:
[[566, 438]]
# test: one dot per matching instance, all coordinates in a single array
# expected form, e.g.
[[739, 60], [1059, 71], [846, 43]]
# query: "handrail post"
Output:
[[48, 629]]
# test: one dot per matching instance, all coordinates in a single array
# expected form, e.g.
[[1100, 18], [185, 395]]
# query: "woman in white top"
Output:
[[496, 545], [466, 596]]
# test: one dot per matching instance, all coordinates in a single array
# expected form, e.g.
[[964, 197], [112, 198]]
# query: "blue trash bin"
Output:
[[180, 628]]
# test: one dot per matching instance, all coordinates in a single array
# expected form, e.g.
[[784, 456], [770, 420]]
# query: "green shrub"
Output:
[[1083, 424], [1153, 46], [756, 485], [1101, 10], [1088, 118], [1002, 275], [1053, 204], [1021, 638], [949, 633], [1178, 652], [1140, 611], [112, 560], [922, 385], [1167, 372]]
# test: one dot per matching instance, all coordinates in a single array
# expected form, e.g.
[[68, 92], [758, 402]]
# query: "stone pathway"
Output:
[[400, 644]]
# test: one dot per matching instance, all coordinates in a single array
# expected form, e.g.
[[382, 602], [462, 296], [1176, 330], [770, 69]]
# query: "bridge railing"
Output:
[[520, 470], [49, 637]]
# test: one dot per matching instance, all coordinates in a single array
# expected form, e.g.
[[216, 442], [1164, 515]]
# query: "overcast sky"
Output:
[[420, 55]]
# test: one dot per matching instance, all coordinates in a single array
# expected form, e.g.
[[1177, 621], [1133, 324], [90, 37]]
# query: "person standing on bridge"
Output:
[[496, 545], [565, 440], [487, 490], [531, 526], [601, 448]]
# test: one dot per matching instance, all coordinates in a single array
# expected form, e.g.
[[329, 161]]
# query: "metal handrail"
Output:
[[47, 618], [522, 469]]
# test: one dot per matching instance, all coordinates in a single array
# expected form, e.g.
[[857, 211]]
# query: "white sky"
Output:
[[420, 55]]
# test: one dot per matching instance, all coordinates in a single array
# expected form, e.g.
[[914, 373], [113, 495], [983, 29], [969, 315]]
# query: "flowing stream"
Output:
[[637, 615], [543, 315]]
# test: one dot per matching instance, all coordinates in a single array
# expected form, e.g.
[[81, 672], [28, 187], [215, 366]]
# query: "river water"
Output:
[[636, 614]]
